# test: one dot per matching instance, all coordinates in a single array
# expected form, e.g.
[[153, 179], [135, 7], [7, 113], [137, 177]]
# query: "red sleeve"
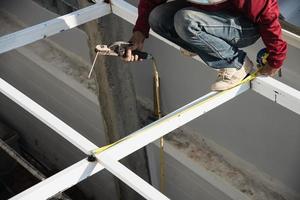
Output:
[[266, 14], [144, 9], [270, 30]]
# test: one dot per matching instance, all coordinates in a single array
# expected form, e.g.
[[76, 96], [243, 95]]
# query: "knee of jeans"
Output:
[[184, 25]]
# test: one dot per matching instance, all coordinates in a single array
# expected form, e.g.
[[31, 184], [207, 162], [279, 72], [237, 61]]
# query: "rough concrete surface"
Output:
[[201, 153]]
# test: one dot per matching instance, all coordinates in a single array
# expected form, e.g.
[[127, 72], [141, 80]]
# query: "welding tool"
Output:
[[119, 49]]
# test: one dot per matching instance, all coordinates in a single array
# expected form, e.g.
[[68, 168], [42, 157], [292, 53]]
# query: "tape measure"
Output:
[[262, 56]]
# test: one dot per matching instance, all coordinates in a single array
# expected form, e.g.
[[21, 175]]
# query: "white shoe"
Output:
[[231, 77]]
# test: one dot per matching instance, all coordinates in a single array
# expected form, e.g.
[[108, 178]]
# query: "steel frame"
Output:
[[268, 87]]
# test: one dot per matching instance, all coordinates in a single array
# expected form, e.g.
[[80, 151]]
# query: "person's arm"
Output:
[[141, 28], [144, 9], [266, 14]]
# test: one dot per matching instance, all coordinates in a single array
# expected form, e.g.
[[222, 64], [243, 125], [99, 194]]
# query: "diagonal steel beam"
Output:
[[52, 27], [81, 170], [132, 180], [47, 118]]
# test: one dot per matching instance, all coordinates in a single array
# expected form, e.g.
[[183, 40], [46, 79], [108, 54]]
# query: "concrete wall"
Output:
[[181, 181]]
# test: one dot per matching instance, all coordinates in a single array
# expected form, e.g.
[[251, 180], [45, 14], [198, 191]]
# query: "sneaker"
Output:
[[231, 77], [186, 52]]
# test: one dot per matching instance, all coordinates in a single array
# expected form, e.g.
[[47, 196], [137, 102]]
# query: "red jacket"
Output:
[[264, 13]]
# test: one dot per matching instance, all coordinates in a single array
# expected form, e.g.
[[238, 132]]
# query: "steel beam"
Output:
[[132, 180], [291, 38], [170, 122], [278, 92], [133, 142], [52, 27], [46, 117], [60, 181]]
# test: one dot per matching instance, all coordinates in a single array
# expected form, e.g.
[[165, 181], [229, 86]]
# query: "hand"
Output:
[[137, 41], [267, 70]]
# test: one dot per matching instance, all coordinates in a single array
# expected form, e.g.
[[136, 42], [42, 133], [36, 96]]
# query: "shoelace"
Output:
[[223, 75]]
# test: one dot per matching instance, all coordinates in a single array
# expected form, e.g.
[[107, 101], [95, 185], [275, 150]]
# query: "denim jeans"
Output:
[[215, 36]]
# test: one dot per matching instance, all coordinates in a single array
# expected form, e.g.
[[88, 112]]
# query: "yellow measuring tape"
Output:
[[247, 79], [162, 162]]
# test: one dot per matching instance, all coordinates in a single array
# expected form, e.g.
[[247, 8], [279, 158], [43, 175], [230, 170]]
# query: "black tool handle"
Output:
[[141, 54]]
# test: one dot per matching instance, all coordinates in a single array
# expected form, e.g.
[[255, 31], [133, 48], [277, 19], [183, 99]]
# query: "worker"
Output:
[[215, 30]]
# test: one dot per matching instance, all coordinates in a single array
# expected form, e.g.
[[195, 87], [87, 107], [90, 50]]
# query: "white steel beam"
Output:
[[278, 92], [60, 181], [156, 130], [54, 26], [135, 141], [291, 38], [170, 122], [132, 180], [47, 118]]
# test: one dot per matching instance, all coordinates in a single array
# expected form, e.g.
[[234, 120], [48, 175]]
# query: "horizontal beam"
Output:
[[291, 38], [278, 92], [132, 180], [171, 122], [52, 27], [60, 181], [156, 130], [46, 117], [83, 169]]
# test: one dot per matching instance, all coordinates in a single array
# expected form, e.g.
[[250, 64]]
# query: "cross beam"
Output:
[[52, 27]]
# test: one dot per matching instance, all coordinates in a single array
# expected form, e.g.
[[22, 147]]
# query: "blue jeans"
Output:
[[215, 36]]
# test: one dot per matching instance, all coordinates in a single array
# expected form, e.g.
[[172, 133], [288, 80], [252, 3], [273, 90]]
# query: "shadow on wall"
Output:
[[290, 15]]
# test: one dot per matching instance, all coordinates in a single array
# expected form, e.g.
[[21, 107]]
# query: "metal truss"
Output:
[[109, 159]]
